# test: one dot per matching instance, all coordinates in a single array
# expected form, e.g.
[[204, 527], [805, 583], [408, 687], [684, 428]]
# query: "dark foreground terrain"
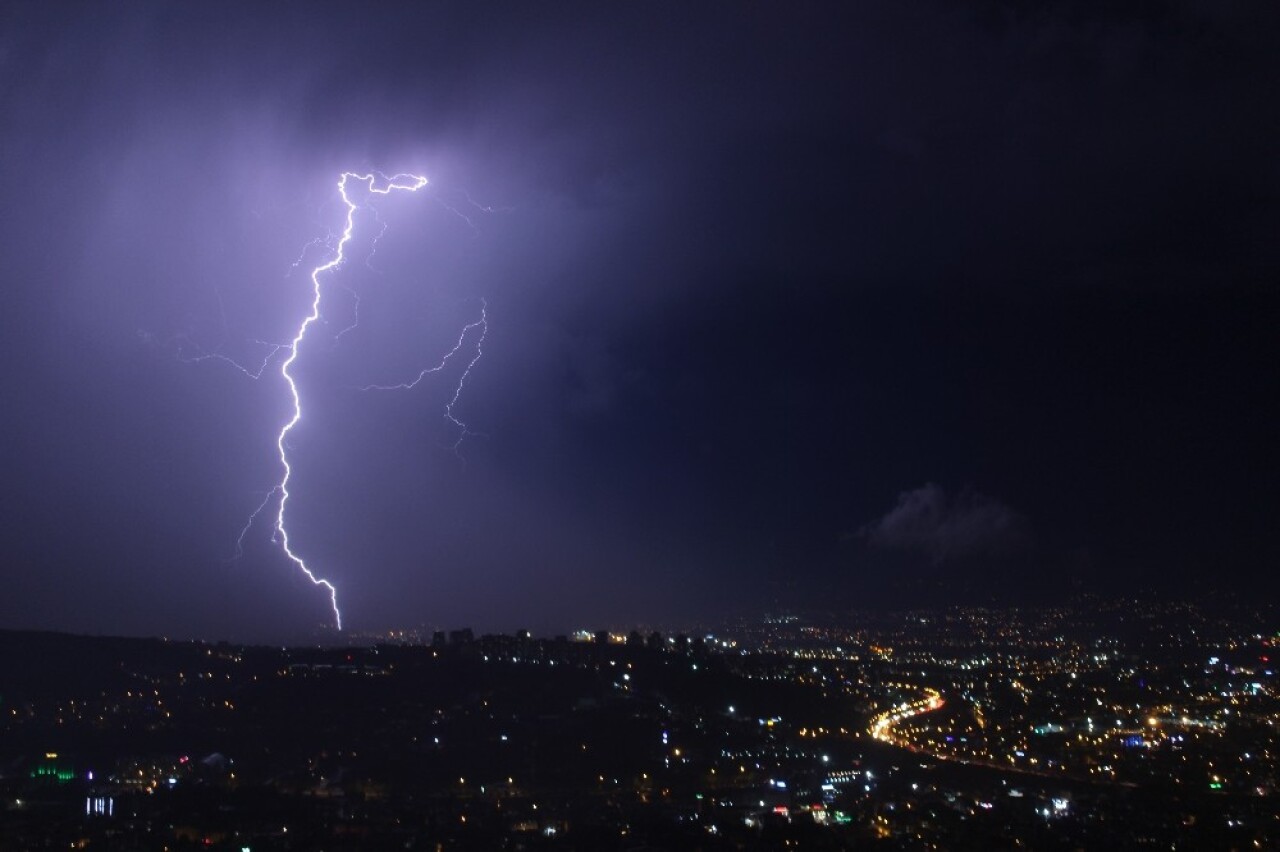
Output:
[[803, 737]]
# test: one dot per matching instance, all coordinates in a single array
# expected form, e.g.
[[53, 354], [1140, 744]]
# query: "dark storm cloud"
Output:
[[750, 266], [928, 521]]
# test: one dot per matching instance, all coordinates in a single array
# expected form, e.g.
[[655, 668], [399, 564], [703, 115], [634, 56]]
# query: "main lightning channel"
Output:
[[408, 183]]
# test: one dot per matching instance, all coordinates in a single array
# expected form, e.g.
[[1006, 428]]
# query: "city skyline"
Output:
[[1077, 725]]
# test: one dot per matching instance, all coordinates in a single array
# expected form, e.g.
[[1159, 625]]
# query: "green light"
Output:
[[1215, 785], [52, 772]]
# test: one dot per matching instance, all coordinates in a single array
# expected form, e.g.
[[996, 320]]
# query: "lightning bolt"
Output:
[[408, 183], [280, 491]]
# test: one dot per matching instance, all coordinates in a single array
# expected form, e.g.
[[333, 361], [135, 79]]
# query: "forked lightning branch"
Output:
[[279, 494]]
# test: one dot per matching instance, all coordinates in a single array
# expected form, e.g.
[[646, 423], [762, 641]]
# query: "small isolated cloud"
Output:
[[926, 520]]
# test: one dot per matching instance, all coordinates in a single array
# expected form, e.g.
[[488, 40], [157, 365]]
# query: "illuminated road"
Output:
[[882, 729], [882, 723]]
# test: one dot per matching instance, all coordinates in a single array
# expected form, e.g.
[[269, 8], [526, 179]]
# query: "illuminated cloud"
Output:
[[928, 521]]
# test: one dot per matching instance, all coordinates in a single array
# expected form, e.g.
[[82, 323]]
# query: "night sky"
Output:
[[829, 305]]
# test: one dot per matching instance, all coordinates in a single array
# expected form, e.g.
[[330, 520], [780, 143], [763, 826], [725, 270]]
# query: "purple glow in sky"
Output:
[[752, 280], [400, 182]]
